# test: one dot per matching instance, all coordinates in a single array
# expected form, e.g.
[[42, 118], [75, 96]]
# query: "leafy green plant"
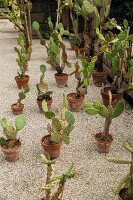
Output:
[[82, 74], [127, 181], [56, 183], [41, 86], [23, 54], [10, 131], [60, 128], [94, 108]]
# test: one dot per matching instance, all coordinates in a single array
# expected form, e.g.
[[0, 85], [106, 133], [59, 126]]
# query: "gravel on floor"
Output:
[[95, 178]]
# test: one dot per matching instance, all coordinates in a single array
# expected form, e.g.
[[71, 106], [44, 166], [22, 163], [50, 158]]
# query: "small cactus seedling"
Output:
[[56, 183], [10, 131], [94, 108], [22, 95], [127, 182], [59, 129], [41, 86], [23, 54]]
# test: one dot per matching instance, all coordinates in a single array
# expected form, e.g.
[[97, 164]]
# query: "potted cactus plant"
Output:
[[59, 130], [17, 108], [82, 74], [119, 70], [41, 94], [10, 144], [54, 186], [104, 139], [57, 56], [125, 187], [23, 56]]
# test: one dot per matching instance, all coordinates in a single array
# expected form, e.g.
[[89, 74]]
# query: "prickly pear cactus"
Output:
[[10, 132], [60, 128]]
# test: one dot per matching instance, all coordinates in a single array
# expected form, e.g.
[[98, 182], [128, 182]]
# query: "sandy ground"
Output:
[[95, 178]]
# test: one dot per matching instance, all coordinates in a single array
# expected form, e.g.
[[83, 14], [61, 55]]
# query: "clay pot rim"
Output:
[[25, 77], [99, 141], [18, 146], [43, 143], [62, 76], [15, 104], [44, 100], [73, 99], [106, 93]]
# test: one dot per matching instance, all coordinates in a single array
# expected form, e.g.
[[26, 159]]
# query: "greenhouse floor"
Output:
[[95, 178]]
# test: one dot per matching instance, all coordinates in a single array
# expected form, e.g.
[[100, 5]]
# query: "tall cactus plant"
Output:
[[18, 12], [23, 54], [60, 128], [127, 181], [56, 183]]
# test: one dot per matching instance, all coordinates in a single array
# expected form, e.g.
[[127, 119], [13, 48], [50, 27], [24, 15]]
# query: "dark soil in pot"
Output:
[[115, 97], [103, 144], [12, 153], [48, 101], [22, 83], [51, 149], [123, 195], [75, 103], [17, 109], [61, 80]]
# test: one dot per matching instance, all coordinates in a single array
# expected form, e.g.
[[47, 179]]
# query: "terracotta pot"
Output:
[[17, 109], [61, 80], [115, 97], [103, 147], [79, 51], [74, 104], [49, 103], [99, 78], [53, 150], [11, 154], [22, 83]]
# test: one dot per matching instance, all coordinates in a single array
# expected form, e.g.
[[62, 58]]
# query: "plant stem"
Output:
[[49, 174], [131, 183], [59, 191]]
